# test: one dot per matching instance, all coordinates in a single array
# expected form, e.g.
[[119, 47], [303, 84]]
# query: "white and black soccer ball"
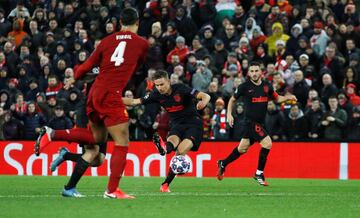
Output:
[[180, 164]]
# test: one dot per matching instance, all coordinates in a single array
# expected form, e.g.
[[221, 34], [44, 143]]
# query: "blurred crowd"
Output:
[[307, 48]]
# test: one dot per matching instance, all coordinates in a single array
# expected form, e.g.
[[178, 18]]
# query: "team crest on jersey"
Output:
[[266, 89], [177, 98]]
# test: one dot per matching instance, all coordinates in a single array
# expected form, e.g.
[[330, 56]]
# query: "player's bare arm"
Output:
[[204, 100], [229, 116], [131, 101]]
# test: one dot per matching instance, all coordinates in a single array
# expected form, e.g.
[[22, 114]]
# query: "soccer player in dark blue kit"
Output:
[[256, 93], [186, 129]]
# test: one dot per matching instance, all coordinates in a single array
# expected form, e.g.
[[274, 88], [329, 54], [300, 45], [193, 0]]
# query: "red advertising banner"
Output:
[[286, 160]]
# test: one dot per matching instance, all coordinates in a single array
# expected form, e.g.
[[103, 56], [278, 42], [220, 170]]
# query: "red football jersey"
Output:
[[118, 56]]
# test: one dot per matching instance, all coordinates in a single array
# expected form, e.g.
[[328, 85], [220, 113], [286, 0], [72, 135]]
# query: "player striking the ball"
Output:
[[186, 128]]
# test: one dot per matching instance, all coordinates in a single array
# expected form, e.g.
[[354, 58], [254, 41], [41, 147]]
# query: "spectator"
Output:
[[5, 99], [206, 118], [214, 93], [202, 78], [332, 62], [285, 7], [33, 85], [74, 103], [345, 103], [5, 25], [355, 62], [329, 88], [239, 18], [12, 59], [351, 49], [351, 76], [244, 50], [12, 128], [174, 79], [301, 88], [274, 121], [197, 48], [258, 38], [276, 17], [230, 38], [238, 128], [219, 127], [36, 35], [60, 120], [156, 31], [313, 116], [292, 45], [48, 107], [351, 93], [155, 57], [54, 86], [179, 71], [19, 12], [353, 130], [277, 34], [39, 15], [261, 54], [180, 50], [295, 125], [279, 84], [33, 121], [185, 25], [249, 27], [219, 54], [334, 121], [208, 40], [320, 39]]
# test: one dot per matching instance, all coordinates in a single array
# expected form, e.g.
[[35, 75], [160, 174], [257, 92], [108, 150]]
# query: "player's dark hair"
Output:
[[254, 63], [160, 74], [129, 16]]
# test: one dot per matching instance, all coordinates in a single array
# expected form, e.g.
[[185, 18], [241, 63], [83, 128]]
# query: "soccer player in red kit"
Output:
[[118, 56]]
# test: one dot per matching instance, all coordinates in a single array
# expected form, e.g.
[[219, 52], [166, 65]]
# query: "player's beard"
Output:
[[255, 79]]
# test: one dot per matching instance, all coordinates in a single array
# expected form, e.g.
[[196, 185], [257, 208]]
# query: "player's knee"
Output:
[[243, 150], [267, 145], [91, 154], [99, 159]]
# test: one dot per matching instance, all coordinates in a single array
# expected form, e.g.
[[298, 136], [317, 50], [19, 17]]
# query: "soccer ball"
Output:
[[180, 164]]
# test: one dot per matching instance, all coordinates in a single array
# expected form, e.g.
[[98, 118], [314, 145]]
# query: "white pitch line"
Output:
[[212, 194]]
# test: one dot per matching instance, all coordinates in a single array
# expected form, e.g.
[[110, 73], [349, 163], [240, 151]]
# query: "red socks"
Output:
[[79, 135], [117, 166]]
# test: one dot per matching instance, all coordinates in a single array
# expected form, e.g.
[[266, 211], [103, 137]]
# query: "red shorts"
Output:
[[106, 106]]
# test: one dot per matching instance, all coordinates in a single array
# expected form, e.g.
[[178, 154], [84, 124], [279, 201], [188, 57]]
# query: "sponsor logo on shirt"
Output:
[[177, 98], [259, 99], [174, 108]]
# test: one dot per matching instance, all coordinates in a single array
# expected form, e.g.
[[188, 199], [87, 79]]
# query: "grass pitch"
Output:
[[190, 197]]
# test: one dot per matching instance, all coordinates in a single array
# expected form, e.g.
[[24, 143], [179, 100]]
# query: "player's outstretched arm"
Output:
[[229, 116], [204, 100], [131, 101]]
